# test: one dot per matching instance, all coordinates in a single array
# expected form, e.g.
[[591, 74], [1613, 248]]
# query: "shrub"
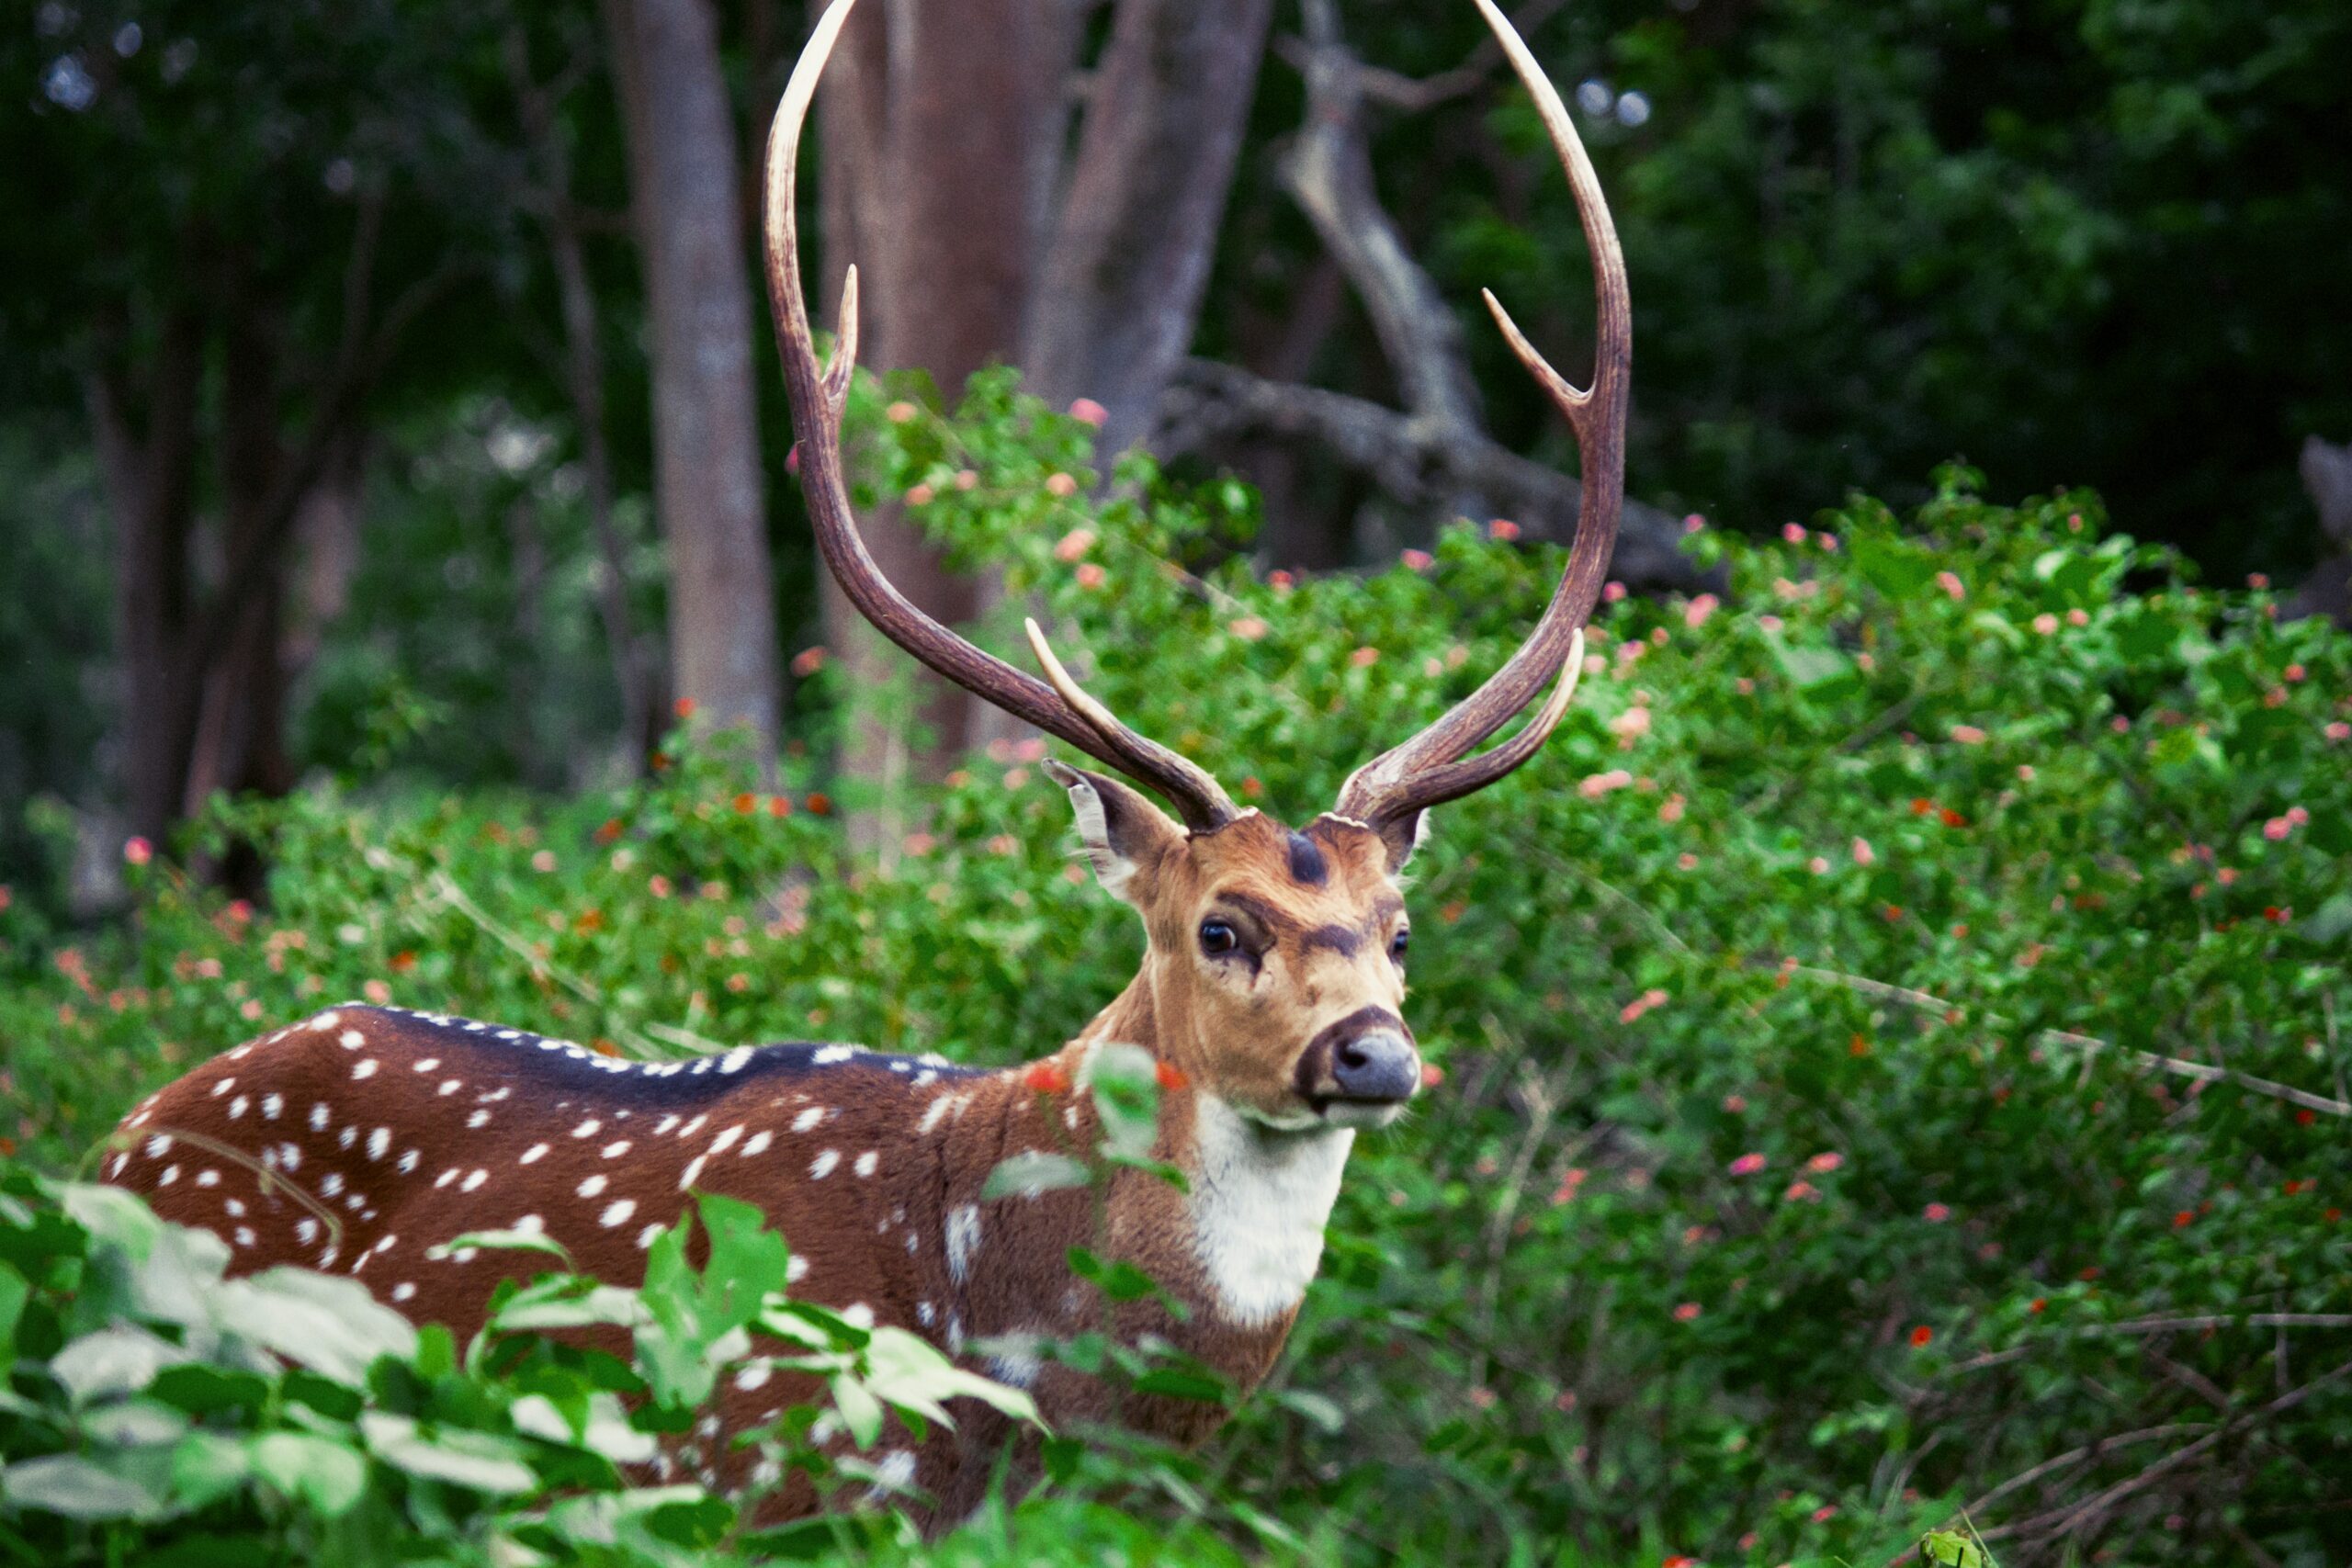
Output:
[[1891, 1037]]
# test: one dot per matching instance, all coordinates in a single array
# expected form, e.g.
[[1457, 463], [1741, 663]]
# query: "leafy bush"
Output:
[[1892, 1035]]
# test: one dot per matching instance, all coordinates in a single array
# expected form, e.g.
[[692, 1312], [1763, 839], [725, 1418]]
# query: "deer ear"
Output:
[[1123, 832], [1403, 835]]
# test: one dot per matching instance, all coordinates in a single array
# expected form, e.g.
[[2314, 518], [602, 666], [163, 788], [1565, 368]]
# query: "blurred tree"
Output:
[[691, 236], [230, 227], [987, 227]]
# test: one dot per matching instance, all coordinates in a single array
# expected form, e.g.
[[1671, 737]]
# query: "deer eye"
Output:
[[1218, 937], [1397, 943]]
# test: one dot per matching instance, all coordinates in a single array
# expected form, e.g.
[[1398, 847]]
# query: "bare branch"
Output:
[[1416, 462]]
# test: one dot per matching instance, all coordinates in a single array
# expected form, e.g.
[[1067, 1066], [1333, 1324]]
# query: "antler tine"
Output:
[[1442, 782], [818, 397], [1419, 773]]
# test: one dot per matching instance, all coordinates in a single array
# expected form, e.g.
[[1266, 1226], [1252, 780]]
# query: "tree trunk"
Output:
[[150, 482], [1131, 251], [707, 487], [943, 123]]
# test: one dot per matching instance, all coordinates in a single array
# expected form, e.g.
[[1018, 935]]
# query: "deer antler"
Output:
[[818, 397], [1424, 771]]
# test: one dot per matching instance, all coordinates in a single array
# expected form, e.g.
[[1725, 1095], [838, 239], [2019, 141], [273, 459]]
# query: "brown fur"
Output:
[[413, 1128]]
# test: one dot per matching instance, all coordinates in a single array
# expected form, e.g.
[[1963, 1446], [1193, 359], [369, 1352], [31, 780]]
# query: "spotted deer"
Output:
[[1270, 994]]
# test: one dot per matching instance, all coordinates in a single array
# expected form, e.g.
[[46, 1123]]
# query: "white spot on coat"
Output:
[[963, 1240]]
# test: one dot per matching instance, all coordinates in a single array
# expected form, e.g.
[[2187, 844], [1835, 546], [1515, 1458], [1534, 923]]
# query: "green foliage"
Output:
[[156, 1411], [2086, 242], [1891, 1037]]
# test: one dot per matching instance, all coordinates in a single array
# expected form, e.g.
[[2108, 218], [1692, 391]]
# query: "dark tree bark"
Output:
[[708, 485], [943, 124], [636, 673], [150, 480], [1130, 257], [938, 152]]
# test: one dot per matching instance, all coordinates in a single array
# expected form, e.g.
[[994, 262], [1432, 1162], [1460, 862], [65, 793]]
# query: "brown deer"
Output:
[[1269, 996]]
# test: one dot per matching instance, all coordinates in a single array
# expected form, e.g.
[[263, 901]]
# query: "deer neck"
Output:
[[1248, 1226]]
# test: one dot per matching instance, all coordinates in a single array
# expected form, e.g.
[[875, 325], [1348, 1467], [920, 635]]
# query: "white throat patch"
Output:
[[1260, 1200]]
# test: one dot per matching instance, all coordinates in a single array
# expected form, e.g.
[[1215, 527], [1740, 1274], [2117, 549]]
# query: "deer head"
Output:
[[1275, 974]]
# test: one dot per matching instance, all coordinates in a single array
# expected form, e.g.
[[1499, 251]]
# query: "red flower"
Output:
[[1045, 1077], [1921, 1335], [609, 831], [2181, 1220], [684, 708], [2036, 1305], [1171, 1076], [1954, 818]]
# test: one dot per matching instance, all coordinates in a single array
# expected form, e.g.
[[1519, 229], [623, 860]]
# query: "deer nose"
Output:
[[1379, 1064]]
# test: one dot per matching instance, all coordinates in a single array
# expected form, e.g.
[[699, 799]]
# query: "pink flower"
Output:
[[1074, 544], [1089, 575], [920, 495], [1280, 581], [1502, 528], [1736, 1104], [1863, 854], [2045, 623], [2276, 828], [1819, 865], [1687, 1312], [900, 412], [1950, 583], [1630, 725], [1693, 523], [967, 479], [807, 662], [2258, 579], [1747, 1165], [1598, 784], [1696, 613], [1061, 485], [1363, 657], [2078, 617], [1800, 1192], [2338, 731], [1936, 1214], [1822, 1163], [1086, 411], [138, 851], [1967, 735], [1826, 1512], [1612, 592], [1248, 628], [1792, 532], [1417, 560], [1671, 809], [2297, 815]]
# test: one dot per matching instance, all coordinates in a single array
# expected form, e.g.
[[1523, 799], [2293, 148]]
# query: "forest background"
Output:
[[389, 446]]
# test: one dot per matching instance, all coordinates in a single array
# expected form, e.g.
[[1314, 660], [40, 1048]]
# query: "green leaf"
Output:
[[474, 1460], [325, 1475], [73, 1487], [1893, 568], [1178, 1383], [1030, 1174]]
